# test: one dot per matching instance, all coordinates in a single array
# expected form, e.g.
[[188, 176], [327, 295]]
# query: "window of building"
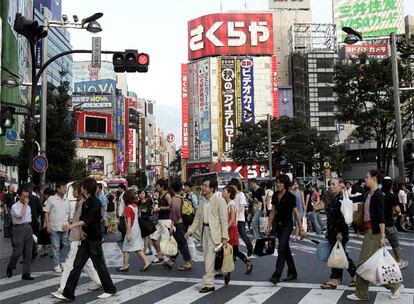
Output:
[[326, 106], [325, 77], [325, 92], [95, 124], [324, 63], [328, 121]]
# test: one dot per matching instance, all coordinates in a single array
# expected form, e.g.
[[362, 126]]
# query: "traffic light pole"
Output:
[[29, 124], [269, 145]]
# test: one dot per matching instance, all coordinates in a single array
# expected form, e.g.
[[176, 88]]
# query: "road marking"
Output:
[[133, 292], [321, 296], [113, 254], [254, 295], [187, 295], [14, 292], [80, 290], [384, 298], [13, 279]]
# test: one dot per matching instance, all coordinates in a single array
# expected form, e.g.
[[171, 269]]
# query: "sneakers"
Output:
[[105, 295], [403, 264], [354, 297], [396, 294], [58, 269], [95, 287], [60, 296]]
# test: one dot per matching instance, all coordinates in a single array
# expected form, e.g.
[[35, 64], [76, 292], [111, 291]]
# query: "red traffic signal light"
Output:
[[130, 61], [29, 28]]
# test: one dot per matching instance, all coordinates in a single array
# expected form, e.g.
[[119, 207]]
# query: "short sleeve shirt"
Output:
[[15, 213], [59, 212], [284, 208], [240, 201], [130, 213]]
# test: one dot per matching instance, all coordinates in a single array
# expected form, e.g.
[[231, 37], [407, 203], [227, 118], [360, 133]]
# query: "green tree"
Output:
[[365, 98], [79, 169], [303, 144]]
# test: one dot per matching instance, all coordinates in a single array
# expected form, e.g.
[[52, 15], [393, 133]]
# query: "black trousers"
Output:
[[93, 250], [8, 225], [122, 226], [241, 227], [239, 254], [284, 254], [182, 242]]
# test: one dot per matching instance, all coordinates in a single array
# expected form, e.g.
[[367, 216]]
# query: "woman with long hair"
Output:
[[145, 207], [133, 241]]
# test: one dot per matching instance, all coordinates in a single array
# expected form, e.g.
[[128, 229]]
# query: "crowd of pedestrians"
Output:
[[72, 232]]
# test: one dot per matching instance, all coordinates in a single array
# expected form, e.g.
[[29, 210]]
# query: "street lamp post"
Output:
[[304, 170], [269, 146]]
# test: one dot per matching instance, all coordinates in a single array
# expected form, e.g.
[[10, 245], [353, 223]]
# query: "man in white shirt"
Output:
[[57, 215], [22, 239], [241, 202]]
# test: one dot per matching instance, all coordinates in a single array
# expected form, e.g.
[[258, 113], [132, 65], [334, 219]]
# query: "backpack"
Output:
[[187, 211]]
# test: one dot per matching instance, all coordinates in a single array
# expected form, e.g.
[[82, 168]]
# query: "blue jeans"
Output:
[[56, 237], [315, 218], [256, 223]]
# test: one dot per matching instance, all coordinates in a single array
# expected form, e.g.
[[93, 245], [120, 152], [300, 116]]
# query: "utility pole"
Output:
[[397, 108], [269, 145]]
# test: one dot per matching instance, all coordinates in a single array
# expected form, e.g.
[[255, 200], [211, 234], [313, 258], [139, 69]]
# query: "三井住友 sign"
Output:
[[230, 34]]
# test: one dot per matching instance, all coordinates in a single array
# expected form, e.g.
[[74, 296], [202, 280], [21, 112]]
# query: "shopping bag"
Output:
[[337, 258], [192, 248], [305, 223], [323, 250], [169, 246], [263, 221], [228, 262], [147, 227], [369, 269], [347, 208], [264, 246], [389, 271], [218, 260]]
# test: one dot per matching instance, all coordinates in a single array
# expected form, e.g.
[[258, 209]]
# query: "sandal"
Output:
[[184, 268], [328, 285], [352, 284], [168, 265], [249, 268], [120, 269], [146, 268]]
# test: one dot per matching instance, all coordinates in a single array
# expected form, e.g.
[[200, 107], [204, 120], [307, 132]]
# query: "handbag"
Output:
[[338, 258], [218, 260], [169, 246], [228, 262], [264, 246], [358, 215], [147, 227], [323, 250], [347, 208]]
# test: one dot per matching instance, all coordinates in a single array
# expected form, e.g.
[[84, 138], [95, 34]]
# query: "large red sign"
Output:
[[184, 106], [253, 171], [375, 50], [230, 34]]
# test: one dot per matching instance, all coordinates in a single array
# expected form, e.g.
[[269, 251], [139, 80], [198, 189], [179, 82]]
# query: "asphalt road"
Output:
[[160, 285]]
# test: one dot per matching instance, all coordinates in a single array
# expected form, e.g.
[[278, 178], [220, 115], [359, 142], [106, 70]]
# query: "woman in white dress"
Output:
[[133, 241]]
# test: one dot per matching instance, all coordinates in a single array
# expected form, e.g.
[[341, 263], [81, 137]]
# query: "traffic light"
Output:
[[6, 120], [29, 28], [130, 61]]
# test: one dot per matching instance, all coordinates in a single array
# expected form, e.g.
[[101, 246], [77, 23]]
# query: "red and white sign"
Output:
[[132, 145], [252, 171], [170, 137], [275, 88], [374, 50], [230, 34], [184, 108]]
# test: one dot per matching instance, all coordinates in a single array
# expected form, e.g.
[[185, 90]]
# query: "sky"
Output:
[[159, 28]]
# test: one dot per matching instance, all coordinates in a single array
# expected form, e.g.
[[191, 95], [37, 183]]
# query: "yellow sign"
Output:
[[326, 165], [99, 144]]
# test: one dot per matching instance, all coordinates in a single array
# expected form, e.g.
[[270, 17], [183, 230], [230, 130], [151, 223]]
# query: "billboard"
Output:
[[275, 87], [83, 71], [96, 165], [373, 18], [132, 145], [245, 90], [372, 50], [230, 34], [119, 132], [106, 86], [92, 101], [203, 78], [289, 4], [227, 104], [184, 107]]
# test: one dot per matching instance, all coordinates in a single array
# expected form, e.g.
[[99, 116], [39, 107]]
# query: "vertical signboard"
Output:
[[227, 72], [275, 88], [119, 131], [184, 108], [246, 90], [132, 145], [195, 109], [203, 78]]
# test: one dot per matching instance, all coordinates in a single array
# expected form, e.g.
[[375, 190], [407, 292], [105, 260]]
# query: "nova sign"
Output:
[[230, 34]]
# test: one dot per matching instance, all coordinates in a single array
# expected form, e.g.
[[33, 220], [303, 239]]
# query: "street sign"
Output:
[[11, 143], [40, 163], [96, 52], [170, 137], [326, 165], [11, 135]]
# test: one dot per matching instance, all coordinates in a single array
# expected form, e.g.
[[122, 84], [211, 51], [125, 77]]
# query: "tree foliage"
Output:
[[303, 144], [365, 98]]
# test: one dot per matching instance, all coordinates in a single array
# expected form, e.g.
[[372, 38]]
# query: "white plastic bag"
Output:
[[338, 258], [389, 271], [192, 248], [305, 223], [369, 269], [347, 208], [169, 246]]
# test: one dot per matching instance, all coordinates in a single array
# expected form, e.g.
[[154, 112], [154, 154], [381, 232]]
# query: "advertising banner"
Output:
[[275, 88], [184, 108], [92, 101], [119, 131], [246, 91], [83, 71], [252, 171], [230, 34], [289, 4], [107, 86], [228, 119], [372, 50], [373, 18], [203, 78], [194, 109], [132, 145], [96, 165]]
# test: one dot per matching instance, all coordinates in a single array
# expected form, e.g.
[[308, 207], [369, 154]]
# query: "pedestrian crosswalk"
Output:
[[173, 290]]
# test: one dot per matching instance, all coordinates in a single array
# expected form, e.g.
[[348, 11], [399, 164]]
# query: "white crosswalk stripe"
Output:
[[321, 296], [187, 295], [254, 295], [28, 288], [384, 298]]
